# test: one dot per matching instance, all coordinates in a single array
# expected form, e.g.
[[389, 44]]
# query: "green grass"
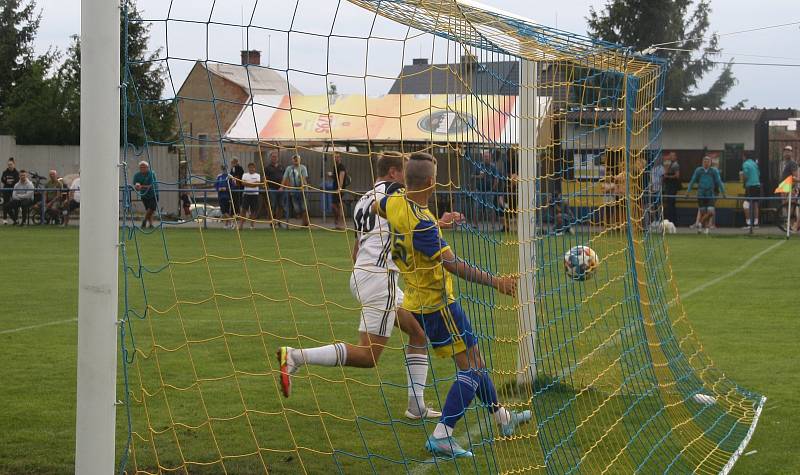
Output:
[[747, 324]]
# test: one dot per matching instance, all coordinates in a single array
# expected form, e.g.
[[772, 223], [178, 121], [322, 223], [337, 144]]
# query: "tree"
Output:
[[44, 106], [683, 25], [19, 23], [150, 118]]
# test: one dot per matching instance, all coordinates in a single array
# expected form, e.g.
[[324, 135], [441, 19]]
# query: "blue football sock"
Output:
[[487, 393], [460, 396]]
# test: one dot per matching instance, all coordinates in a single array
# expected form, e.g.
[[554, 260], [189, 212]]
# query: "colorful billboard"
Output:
[[394, 117]]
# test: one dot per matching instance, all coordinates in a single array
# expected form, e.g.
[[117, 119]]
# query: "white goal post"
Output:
[[99, 237], [527, 123]]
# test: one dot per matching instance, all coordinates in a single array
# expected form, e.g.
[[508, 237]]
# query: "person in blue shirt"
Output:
[[708, 181], [751, 176], [223, 187], [486, 184]]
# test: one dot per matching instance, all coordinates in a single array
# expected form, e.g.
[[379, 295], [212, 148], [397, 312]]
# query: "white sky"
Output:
[[764, 86]]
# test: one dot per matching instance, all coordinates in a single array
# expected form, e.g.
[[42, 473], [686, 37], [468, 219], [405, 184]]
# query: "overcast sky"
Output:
[[766, 86]]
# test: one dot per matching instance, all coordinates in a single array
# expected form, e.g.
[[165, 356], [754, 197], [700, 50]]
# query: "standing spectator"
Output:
[[53, 197], [751, 176], [22, 198], [790, 168], [342, 181], [274, 175], [9, 179], [708, 180], [251, 181], [73, 200], [144, 182], [486, 181], [222, 185], [296, 178], [672, 185], [236, 173]]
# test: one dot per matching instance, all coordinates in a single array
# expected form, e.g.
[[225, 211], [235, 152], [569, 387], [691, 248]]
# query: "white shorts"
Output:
[[379, 295]]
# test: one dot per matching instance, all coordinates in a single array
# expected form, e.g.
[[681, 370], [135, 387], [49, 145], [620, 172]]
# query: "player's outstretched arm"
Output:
[[506, 285]]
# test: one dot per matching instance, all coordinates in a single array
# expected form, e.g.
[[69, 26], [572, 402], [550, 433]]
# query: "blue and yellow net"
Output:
[[545, 140]]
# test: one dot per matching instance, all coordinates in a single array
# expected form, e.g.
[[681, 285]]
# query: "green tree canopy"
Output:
[[19, 23], [149, 118], [683, 25]]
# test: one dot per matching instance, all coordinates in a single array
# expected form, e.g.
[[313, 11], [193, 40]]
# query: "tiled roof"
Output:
[[256, 80], [492, 78]]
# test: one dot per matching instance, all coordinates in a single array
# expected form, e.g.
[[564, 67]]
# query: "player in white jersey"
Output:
[[374, 284]]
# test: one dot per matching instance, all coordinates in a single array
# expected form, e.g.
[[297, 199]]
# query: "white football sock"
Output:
[[328, 355], [502, 416], [442, 430], [417, 376]]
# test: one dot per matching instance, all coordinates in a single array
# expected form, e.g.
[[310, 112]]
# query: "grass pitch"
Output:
[[747, 322]]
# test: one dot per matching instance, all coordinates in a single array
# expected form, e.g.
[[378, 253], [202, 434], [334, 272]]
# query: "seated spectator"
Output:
[[22, 198], [560, 215], [53, 198], [186, 206], [73, 200]]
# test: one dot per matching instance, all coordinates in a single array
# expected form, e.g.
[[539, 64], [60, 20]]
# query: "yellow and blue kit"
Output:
[[417, 245]]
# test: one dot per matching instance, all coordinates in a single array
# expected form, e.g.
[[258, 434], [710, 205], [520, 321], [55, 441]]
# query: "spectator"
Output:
[[236, 173], [222, 185], [251, 181], [486, 181], [790, 167], [186, 207], [73, 200], [53, 198], [342, 181], [144, 182], [707, 179], [328, 185], [751, 176], [9, 179], [561, 217], [22, 198], [274, 175], [672, 185], [296, 178]]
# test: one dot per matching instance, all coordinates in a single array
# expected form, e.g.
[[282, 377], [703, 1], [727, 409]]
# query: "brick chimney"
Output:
[[251, 57]]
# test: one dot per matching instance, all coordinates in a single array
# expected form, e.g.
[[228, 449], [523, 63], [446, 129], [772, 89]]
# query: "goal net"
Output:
[[545, 140]]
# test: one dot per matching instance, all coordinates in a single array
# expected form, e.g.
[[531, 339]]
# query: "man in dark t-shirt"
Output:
[[9, 178], [274, 174], [235, 174], [672, 185], [144, 182], [342, 181]]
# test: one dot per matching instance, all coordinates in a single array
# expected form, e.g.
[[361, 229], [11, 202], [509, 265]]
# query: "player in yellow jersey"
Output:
[[426, 261]]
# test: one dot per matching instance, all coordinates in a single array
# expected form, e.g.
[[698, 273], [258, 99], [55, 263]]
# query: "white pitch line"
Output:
[[41, 325], [739, 269]]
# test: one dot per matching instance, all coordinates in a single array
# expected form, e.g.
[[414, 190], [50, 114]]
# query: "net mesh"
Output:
[[545, 140]]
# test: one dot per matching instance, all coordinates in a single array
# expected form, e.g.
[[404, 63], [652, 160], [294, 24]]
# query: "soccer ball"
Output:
[[580, 262]]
